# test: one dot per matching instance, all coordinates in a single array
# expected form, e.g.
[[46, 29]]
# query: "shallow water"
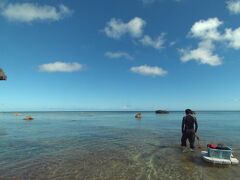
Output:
[[111, 145]]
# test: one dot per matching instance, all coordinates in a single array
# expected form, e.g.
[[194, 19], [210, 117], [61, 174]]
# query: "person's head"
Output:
[[188, 111]]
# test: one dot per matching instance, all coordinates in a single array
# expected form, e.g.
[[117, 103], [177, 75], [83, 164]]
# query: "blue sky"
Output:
[[120, 55]]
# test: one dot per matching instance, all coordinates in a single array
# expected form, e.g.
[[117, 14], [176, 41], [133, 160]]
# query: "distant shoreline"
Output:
[[113, 111]]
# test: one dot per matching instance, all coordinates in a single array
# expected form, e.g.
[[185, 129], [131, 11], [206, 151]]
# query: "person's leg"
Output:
[[191, 138], [184, 140]]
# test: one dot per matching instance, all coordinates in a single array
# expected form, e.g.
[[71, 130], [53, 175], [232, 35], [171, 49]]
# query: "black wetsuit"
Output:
[[188, 130]]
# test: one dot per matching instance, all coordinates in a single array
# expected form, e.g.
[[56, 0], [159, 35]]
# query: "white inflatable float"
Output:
[[214, 160]]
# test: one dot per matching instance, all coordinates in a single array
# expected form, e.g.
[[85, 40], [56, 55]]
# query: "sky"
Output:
[[120, 55]]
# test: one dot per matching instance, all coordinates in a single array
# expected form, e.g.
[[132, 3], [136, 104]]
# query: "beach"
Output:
[[112, 145]]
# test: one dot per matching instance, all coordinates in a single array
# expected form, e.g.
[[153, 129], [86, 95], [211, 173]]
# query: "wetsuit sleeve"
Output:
[[196, 125], [183, 123]]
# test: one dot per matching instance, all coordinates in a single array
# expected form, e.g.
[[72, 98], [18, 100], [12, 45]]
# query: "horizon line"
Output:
[[13, 111]]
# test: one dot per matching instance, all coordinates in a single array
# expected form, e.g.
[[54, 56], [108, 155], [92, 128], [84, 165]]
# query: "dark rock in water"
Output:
[[138, 115], [29, 118], [161, 112], [2, 75]]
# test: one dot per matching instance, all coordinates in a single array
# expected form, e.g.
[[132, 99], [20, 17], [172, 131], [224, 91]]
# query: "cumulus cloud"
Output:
[[234, 6], [119, 54], [233, 37], [155, 43], [60, 67], [116, 28], [206, 29], [29, 12], [203, 54], [149, 70]]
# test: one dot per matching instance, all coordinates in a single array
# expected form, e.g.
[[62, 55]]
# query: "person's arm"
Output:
[[196, 125], [183, 122]]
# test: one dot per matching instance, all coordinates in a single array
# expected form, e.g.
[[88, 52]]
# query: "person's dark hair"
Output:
[[188, 111]]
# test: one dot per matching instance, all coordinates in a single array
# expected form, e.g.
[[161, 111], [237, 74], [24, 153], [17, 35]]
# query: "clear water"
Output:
[[111, 145]]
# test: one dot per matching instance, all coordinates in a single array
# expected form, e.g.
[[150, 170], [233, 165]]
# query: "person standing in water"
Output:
[[189, 128]]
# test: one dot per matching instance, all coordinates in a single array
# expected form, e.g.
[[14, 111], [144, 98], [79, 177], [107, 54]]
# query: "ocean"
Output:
[[112, 145]]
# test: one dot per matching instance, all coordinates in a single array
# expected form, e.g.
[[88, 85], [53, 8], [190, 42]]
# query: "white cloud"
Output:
[[155, 43], [29, 12], [233, 37], [149, 70], [234, 6], [203, 54], [116, 28], [119, 54], [172, 43], [206, 29], [60, 67]]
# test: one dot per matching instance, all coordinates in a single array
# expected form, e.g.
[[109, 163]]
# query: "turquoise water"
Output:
[[111, 145]]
